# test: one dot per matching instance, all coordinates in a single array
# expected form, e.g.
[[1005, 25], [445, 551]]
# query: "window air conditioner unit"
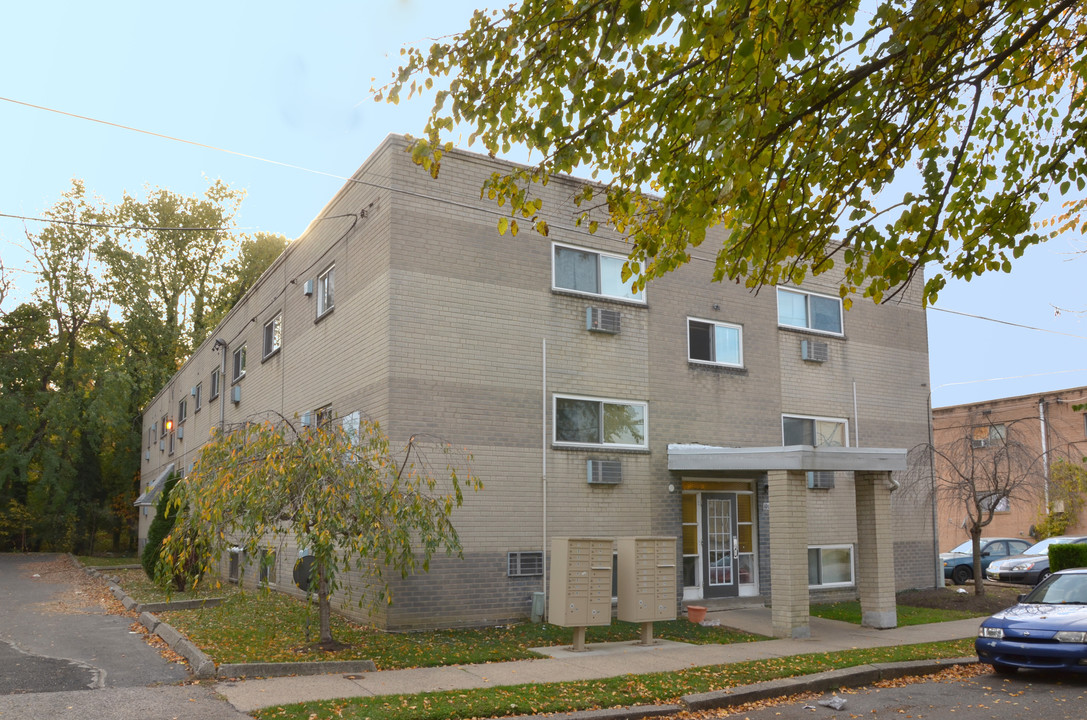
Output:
[[605, 472], [307, 288], [814, 350], [821, 479], [180, 432], [162, 444], [147, 456], [193, 391], [236, 394], [602, 320]]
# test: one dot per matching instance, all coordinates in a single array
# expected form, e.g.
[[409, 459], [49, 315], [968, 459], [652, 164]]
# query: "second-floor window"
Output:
[[798, 309], [814, 431], [605, 423], [215, 380], [592, 273], [989, 435], [182, 410], [198, 397], [713, 342], [239, 364], [326, 287], [273, 335]]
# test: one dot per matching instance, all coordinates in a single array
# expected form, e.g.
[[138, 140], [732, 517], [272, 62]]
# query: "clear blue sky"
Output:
[[290, 82]]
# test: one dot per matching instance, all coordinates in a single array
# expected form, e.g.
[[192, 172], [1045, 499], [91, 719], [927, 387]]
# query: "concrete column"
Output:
[[789, 553], [875, 550]]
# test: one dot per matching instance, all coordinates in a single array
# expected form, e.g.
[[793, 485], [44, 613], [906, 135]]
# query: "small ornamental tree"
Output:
[[337, 491]]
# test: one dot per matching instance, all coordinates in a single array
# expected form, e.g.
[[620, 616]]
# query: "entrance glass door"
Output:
[[719, 567]]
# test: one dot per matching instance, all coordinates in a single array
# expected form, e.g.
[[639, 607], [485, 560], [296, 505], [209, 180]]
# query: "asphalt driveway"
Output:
[[62, 655]]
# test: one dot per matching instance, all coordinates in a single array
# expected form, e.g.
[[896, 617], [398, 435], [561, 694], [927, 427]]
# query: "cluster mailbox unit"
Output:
[[581, 582]]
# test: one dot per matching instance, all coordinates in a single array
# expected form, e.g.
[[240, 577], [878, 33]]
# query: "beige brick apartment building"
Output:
[[766, 431], [1049, 429]]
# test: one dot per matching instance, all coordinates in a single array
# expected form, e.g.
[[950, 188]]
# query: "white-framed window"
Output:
[[326, 287], [273, 336], [814, 431], [817, 432], [591, 272], [165, 425], [596, 422], [215, 381], [830, 566], [801, 309], [198, 397], [182, 410], [323, 416], [714, 343], [994, 502], [239, 364], [267, 568], [988, 435]]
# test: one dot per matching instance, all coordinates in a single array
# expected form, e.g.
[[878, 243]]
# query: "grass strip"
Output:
[[621, 691], [141, 589], [850, 612], [95, 561], [260, 626]]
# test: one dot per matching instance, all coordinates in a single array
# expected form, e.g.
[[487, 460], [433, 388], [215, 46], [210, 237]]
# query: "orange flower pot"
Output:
[[696, 613]]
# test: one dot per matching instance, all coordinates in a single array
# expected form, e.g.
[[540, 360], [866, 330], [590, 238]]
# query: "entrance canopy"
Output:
[[792, 457]]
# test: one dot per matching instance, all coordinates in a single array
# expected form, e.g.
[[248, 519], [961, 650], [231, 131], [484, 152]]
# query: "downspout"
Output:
[[1045, 449], [543, 456], [220, 343]]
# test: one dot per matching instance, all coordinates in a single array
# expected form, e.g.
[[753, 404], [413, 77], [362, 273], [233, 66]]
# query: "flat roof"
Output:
[[791, 457]]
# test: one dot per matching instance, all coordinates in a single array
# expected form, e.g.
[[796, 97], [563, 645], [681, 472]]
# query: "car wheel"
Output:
[[1043, 575], [1002, 669], [961, 575]]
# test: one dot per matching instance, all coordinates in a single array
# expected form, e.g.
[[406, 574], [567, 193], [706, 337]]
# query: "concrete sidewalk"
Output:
[[600, 660]]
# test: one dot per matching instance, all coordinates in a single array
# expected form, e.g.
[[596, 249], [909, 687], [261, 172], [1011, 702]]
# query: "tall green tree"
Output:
[[339, 491], [874, 138], [256, 253]]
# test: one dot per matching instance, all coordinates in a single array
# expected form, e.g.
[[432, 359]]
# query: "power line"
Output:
[[1006, 322], [111, 225]]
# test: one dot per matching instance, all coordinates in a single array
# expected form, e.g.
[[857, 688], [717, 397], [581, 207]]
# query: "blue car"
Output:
[[959, 561], [1047, 630]]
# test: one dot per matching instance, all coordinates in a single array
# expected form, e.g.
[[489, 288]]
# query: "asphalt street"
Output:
[[1024, 696], [63, 656]]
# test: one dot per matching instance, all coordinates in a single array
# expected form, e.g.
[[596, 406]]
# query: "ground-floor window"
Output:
[[830, 566]]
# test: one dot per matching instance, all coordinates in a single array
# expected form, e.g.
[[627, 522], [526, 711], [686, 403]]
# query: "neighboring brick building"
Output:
[[1048, 429], [401, 301]]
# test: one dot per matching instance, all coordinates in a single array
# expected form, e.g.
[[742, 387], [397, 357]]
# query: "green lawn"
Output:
[[270, 627], [612, 692], [142, 590], [850, 612], [95, 561]]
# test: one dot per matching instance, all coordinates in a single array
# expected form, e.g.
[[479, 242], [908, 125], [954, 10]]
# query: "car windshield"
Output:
[[964, 548], [1042, 547], [1060, 589]]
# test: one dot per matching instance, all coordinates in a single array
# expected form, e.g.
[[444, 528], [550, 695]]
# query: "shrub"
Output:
[[1067, 555], [159, 529]]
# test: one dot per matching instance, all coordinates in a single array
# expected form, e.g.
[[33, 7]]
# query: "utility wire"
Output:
[[111, 225], [1006, 322]]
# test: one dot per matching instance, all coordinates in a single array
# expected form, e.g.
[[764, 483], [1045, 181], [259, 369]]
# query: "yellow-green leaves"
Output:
[[346, 497], [801, 128]]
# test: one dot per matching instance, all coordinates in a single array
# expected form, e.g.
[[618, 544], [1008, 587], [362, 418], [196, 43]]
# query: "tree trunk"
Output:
[[324, 607], [975, 546]]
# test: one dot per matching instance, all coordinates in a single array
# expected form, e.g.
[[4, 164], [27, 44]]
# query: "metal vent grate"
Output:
[[605, 472], [821, 479], [814, 350], [522, 564], [602, 320]]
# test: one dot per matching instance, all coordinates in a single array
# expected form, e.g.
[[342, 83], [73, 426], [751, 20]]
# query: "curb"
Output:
[[242, 670], [718, 699]]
